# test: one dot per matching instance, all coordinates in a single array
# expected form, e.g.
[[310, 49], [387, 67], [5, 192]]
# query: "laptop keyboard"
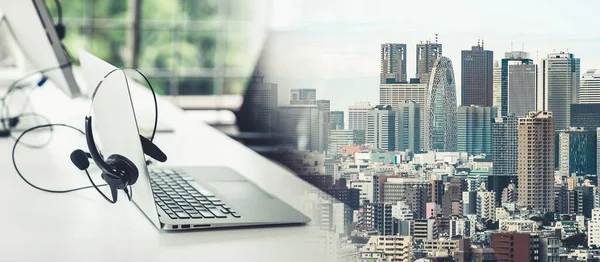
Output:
[[174, 195]]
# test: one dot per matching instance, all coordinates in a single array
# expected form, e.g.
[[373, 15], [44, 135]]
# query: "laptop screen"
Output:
[[116, 129]]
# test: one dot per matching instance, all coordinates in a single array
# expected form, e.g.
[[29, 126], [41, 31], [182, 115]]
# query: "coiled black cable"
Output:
[[51, 126]]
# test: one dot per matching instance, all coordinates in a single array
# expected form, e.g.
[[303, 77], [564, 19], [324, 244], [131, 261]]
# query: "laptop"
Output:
[[177, 197]]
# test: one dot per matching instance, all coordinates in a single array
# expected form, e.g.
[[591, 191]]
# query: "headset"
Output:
[[59, 27], [118, 171]]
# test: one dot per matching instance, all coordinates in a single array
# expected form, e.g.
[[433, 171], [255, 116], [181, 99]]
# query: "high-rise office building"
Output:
[[497, 87], [303, 96], [301, 124], [558, 85], [358, 115], [393, 63], [261, 103], [536, 161], [589, 197], [396, 189], [440, 130], [396, 94], [324, 107], [589, 92], [577, 151], [485, 205], [521, 87], [381, 128], [348, 196], [550, 249], [518, 84], [427, 54], [514, 247], [474, 134], [337, 120], [585, 115], [594, 229], [477, 76], [416, 199], [340, 138], [378, 216], [598, 151], [425, 229], [408, 126]]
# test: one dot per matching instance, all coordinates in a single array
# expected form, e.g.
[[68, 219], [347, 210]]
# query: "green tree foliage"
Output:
[[176, 36]]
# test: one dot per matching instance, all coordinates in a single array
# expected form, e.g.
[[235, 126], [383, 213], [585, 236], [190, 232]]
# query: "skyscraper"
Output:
[[517, 84], [357, 115], [475, 129], [381, 128], [505, 154], [337, 120], [497, 87], [585, 115], [441, 107], [536, 161], [589, 92], [577, 151], [427, 54], [261, 104], [301, 124], [393, 63], [340, 138], [396, 94], [408, 126], [521, 87], [477, 76], [324, 107], [558, 84], [303, 96]]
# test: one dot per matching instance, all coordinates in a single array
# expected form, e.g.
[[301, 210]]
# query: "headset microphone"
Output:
[[151, 150], [80, 159]]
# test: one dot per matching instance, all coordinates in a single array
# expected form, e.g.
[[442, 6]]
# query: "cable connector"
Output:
[[42, 81]]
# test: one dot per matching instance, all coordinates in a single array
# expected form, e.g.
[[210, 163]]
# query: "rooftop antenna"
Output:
[[482, 44], [478, 41], [436, 38]]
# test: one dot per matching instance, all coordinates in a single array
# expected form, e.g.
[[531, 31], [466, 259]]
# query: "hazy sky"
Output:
[[333, 45]]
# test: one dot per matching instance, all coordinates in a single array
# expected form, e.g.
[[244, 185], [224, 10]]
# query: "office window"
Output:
[[185, 47]]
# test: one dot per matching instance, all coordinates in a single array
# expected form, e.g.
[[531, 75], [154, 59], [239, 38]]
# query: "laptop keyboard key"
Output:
[[218, 213], [182, 215], [195, 215], [206, 214]]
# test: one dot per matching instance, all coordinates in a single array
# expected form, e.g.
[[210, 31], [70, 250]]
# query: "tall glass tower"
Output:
[[393, 63], [441, 107]]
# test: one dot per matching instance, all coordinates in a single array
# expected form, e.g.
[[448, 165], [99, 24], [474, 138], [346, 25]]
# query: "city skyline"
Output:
[[527, 173], [338, 53]]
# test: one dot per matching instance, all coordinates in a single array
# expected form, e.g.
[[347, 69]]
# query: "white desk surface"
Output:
[[81, 226]]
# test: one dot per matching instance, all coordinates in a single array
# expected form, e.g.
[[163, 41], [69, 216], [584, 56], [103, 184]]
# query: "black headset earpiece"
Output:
[[61, 31], [118, 171]]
